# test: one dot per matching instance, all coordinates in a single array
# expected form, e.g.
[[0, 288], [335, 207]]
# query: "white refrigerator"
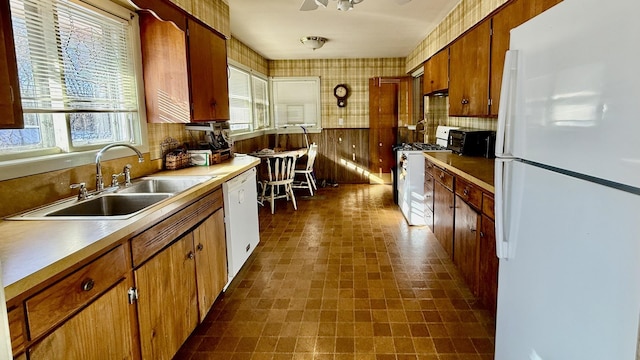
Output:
[[568, 185]]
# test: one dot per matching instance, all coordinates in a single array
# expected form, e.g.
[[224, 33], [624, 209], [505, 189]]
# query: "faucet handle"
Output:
[[114, 179], [82, 192], [127, 174]]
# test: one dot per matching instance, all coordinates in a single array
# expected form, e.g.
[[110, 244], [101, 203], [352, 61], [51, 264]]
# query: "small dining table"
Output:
[[269, 153], [266, 154]]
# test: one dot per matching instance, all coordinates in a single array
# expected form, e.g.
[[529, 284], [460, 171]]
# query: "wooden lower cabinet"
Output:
[[488, 265], [101, 331], [443, 210], [465, 253], [167, 302], [211, 260], [178, 286]]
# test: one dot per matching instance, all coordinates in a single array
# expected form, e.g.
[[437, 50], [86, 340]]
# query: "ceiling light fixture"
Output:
[[345, 5], [313, 42]]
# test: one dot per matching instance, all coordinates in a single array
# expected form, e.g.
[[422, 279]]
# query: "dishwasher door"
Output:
[[241, 220]]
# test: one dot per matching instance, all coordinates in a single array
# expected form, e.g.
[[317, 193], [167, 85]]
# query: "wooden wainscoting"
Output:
[[343, 154]]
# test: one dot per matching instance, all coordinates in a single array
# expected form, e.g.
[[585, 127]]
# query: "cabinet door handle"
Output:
[[481, 234], [199, 247], [13, 99], [465, 101], [472, 229], [191, 255], [88, 284]]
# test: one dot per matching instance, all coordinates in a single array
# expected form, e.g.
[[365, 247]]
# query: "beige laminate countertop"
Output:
[[32, 251], [477, 170]]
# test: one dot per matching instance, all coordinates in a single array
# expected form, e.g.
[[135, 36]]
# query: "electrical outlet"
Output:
[[341, 121]]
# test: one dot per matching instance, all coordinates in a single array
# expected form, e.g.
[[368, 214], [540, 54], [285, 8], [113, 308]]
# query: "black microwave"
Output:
[[472, 142]]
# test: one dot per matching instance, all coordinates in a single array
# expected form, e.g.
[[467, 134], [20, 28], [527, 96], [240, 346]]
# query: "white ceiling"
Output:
[[373, 29]]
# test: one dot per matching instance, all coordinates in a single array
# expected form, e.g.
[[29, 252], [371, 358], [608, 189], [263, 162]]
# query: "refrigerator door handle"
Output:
[[506, 110], [502, 210]]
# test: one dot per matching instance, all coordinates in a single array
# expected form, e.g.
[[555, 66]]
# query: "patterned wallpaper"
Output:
[[353, 72], [214, 13], [436, 113], [238, 51], [466, 14]]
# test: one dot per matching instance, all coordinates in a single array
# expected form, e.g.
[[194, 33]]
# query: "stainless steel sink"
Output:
[[121, 204], [111, 205], [172, 185]]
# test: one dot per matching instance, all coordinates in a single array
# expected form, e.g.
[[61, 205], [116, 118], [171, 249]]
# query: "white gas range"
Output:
[[410, 176]]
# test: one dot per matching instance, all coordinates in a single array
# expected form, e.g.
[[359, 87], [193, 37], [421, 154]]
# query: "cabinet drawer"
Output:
[[428, 167], [428, 190], [469, 193], [443, 177], [154, 239], [488, 205], [54, 304], [17, 329]]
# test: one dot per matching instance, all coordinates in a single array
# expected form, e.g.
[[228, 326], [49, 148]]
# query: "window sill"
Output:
[[12, 169]]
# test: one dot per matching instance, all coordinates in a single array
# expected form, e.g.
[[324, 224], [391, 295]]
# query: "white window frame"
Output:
[[293, 114], [254, 130], [14, 168]]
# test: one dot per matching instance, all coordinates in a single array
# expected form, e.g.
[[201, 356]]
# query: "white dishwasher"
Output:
[[241, 220]]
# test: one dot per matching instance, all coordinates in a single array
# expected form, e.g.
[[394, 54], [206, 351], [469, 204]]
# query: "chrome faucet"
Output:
[[99, 179]]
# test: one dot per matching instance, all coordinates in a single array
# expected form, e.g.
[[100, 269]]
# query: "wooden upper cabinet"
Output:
[[436, 72], [164, 60], [10, 105], [469, 72], [184, 64], [509, 17], [208, 69]]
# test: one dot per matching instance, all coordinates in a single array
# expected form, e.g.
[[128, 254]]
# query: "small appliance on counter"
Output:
[[217, 140], [472, 142]]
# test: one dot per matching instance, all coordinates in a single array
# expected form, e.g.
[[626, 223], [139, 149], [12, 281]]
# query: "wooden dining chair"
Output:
[[280, 173], [309, 181]]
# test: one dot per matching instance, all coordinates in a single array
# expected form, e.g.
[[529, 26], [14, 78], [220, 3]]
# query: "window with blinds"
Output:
[[248, 101], [296, 102], [77, 76]]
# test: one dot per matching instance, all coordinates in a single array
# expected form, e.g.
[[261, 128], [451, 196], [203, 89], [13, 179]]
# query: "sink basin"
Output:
[[111, 205], [121, 204], [172, 185]]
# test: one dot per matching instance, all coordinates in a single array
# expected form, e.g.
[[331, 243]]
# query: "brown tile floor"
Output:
[[344, 277]]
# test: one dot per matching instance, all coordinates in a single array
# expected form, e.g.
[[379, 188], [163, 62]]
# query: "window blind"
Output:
[[83, 65], [240, 99]]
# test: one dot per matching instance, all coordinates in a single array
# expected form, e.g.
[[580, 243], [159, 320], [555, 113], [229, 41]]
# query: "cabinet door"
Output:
[[208, 72], [101, 331], [469, 73], [10, 105], [167, 309], [436, 72], [443, 217], [164, 60], [465, 250], [507, 18], [211, 260], [488, 265]]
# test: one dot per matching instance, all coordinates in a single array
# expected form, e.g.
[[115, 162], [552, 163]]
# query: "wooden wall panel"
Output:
[[337, 149]]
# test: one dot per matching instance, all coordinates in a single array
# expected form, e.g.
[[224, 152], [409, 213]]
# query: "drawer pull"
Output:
[[199, 247], [466, 192], [88, 284]]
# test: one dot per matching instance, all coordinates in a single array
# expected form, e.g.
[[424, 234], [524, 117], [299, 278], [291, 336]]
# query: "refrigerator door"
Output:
[[574, 104], [570, 288]]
